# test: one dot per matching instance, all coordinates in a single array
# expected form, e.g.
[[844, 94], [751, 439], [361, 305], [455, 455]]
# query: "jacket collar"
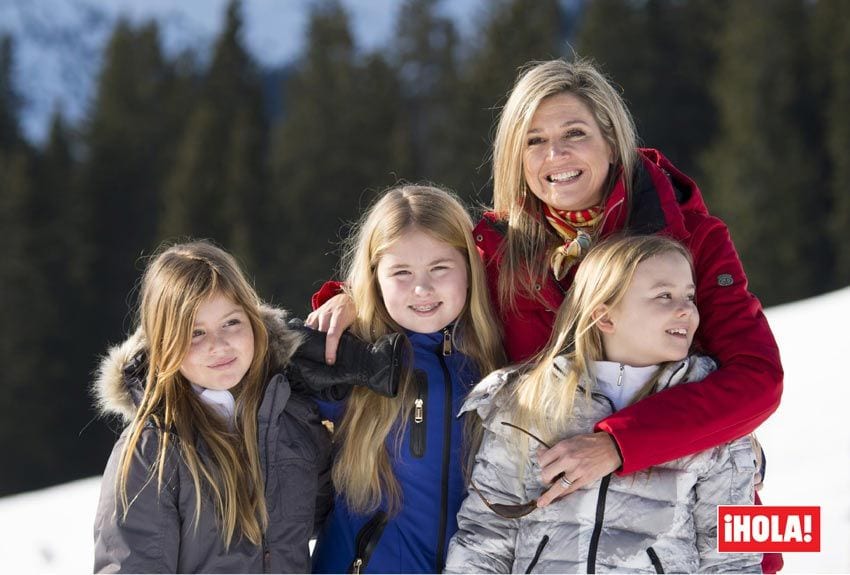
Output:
[[120, 378], [660, 195], [443, 340], [695, 367], [481, 398]]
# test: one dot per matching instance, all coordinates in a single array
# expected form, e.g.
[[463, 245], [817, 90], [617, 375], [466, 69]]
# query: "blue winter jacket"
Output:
[[429, 471]]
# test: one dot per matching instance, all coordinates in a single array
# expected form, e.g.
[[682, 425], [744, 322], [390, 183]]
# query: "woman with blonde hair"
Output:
[[567, 172], [623, 333], [223, 466], [412, 267]]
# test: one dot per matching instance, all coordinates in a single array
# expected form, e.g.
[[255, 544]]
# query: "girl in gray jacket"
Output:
[[223, 466], [624, 332]]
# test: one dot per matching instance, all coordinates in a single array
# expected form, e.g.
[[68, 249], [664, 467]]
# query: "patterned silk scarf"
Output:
[[575, 228]]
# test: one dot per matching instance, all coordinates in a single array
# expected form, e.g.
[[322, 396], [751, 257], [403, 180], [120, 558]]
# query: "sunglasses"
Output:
[[517, 510]]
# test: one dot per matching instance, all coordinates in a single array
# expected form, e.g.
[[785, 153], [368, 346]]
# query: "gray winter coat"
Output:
[[159, 533], [661, 519]]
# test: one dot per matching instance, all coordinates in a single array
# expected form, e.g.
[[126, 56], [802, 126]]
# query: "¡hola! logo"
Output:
[[767, 529]]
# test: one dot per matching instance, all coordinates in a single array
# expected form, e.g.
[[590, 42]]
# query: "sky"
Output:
[[59, 42], [808, 451]]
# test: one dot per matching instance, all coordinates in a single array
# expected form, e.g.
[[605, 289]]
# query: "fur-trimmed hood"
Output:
[[120, 378]]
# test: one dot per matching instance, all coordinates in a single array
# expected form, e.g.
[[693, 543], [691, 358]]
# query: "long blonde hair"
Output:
[[362, 471], [544, 397], [174, 285], [524, 256]]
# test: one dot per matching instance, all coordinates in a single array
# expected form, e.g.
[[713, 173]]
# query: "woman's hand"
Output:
[[334, 317], [582, 459]]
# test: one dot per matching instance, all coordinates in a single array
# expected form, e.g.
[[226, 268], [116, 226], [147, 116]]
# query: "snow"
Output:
[[50, 531], [808, 449]]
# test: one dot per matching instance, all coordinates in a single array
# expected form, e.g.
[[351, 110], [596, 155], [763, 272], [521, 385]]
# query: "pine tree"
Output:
[[24, 303], [102, 219], [23, 300], [517, 32], [127, 147], [61, 255], [10, 135], [59, 243], [27, 401], [340, 140], [759, 173], [425, 58], [63, 213], [665, 69], [612, 34], [831, 36], [214, 189], [377, 108]]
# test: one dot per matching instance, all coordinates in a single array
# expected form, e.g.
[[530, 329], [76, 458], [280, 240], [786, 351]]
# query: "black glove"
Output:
[[376, 366]]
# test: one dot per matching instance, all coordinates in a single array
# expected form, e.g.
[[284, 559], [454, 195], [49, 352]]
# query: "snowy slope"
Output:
[[808, 448], [807, 440], [49, 531]]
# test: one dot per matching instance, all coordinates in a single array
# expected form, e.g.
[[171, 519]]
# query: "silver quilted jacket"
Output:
[[659, 520]]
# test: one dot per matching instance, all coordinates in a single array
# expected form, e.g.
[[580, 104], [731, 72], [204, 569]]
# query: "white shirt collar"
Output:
[[220, 400], [620, 382]]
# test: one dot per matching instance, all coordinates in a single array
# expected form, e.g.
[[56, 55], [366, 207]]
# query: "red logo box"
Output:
[[767, 529]]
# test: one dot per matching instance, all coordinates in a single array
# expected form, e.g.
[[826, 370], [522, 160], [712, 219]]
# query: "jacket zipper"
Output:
[[418, 426], [656, 562], [597, 526], [267, 438], [537, 553], [267, 559], [447, 447], [610, 211], [366, 541]]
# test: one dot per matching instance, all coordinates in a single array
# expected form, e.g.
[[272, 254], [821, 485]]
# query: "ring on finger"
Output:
[[566, 483]]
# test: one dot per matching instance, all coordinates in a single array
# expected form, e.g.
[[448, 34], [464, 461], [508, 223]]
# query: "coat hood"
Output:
[[120, 378]]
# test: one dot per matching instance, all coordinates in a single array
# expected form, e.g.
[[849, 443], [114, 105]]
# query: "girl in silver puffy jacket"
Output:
[[624, 332]]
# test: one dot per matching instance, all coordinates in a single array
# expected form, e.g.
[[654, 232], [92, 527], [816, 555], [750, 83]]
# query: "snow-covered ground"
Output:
[[807, 446], [49, 531]]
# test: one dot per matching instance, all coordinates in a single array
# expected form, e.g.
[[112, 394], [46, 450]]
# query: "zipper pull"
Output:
[[418, 410], [620, 375], [447, 341], [356, 567]]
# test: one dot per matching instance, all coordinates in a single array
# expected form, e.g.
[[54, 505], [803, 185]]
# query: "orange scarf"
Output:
[[575, 228]]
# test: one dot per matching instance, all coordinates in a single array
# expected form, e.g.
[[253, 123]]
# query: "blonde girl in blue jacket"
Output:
[[412, 267]]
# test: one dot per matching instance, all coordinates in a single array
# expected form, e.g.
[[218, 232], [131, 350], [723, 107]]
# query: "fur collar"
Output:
[[119, 380]]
